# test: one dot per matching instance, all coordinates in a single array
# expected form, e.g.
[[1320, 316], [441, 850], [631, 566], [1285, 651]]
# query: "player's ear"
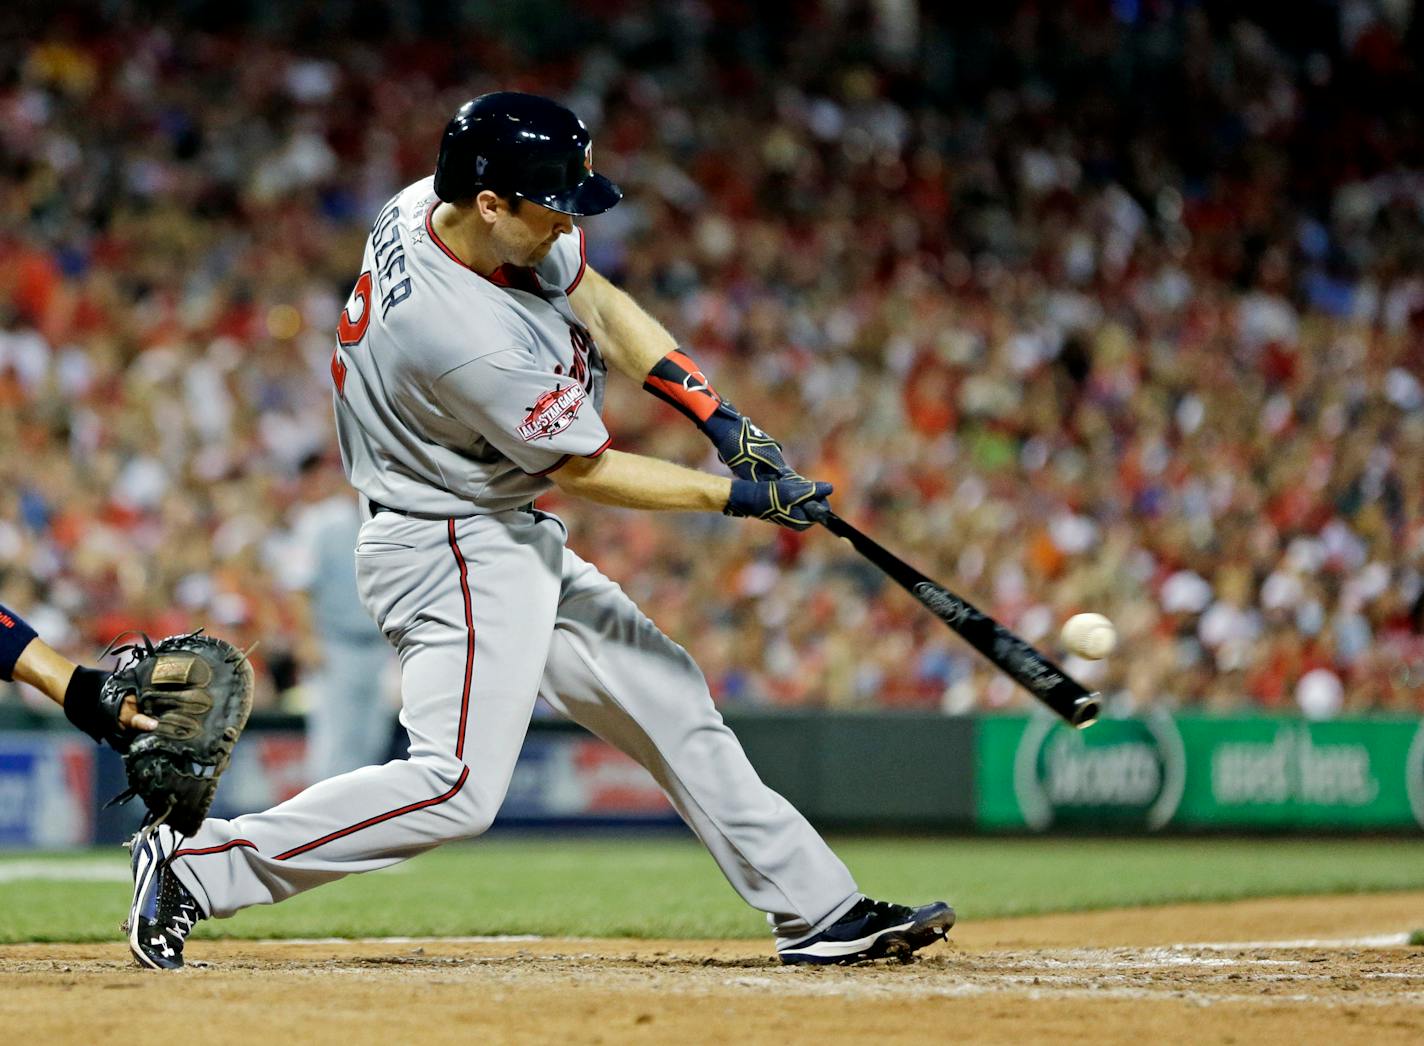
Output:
[[488, 205]]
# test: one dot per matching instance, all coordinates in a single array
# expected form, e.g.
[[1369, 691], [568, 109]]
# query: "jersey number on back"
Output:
[[349, 331]]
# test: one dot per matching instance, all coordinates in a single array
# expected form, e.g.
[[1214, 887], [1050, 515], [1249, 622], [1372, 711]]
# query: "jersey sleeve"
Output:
[[565, 263], [535, 418]]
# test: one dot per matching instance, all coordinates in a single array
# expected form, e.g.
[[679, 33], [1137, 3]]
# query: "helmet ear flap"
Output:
[[455, 179]]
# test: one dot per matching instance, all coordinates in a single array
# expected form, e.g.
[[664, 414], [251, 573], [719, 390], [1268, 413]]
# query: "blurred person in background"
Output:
[[343, 656]]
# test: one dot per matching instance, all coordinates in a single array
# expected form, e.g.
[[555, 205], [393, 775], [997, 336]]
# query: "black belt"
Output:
[[377, 508]]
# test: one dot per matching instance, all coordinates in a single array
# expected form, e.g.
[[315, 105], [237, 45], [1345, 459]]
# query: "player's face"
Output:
[[526, 237]]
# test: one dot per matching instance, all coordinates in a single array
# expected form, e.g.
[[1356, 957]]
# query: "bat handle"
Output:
[[820, 512]]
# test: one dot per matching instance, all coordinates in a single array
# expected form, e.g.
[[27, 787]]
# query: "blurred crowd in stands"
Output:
[[1110, 306]]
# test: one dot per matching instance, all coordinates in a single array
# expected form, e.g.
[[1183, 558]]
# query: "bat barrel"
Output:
[[1010, 654]]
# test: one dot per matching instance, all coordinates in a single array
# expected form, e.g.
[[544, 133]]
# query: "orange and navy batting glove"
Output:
[[741, 445]]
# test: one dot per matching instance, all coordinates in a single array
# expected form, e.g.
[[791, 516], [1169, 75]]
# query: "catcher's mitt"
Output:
[[200, 690]]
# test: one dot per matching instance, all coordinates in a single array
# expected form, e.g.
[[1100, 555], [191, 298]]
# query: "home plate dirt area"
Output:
[[1319, 969]]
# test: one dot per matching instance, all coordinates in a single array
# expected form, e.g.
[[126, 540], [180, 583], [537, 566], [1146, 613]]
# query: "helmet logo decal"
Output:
[[588, 157], [480, 164]]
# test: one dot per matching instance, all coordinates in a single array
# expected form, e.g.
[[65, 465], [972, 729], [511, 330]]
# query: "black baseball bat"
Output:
[[1010, 654]]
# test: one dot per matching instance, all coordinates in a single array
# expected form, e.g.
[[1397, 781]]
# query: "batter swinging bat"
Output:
[[1025, 665]]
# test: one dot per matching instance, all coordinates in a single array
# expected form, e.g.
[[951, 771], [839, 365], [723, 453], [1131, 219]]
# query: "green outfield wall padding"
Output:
[[893, 770]]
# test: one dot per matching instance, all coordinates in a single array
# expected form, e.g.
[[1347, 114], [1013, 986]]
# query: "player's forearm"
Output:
[[45, 669], [634, 481], [25, 657]]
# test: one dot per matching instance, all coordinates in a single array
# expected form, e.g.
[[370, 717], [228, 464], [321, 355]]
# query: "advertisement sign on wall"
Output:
[[1253, 773], [46, 790], [1200, 772], [1121, 774]]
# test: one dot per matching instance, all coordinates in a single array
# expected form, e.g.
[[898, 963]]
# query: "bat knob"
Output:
[[1085, 711]]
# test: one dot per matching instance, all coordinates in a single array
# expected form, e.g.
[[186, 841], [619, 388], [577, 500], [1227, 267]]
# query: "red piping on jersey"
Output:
[[212, 849], [469, 641], [552, 468], [378, 819], [511, 276], [583, 262], [562, 461]]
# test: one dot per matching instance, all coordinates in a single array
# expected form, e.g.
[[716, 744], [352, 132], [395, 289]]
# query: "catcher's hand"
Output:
[[198, 689], [115, 723]]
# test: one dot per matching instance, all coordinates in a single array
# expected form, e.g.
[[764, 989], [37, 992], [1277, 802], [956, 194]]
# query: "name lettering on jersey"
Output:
[[389, 253], [552, 412], [355, 320]]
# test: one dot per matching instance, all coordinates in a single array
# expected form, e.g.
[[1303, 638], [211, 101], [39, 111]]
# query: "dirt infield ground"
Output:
[[1337, 972]]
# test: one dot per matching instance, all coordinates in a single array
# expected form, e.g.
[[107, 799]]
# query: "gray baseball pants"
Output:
[[488, 613]]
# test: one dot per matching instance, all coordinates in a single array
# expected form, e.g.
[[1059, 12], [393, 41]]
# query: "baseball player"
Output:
[[469, 376]]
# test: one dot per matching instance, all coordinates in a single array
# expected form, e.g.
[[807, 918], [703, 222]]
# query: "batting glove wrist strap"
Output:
[[677, 380], [743, 447], [786, 502]]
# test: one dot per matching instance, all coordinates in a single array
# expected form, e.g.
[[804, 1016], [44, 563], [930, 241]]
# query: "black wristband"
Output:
[[81, 704]]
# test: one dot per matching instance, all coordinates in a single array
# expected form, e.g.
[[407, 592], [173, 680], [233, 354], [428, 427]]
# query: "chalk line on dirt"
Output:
[[1380, 940], [497, 938]]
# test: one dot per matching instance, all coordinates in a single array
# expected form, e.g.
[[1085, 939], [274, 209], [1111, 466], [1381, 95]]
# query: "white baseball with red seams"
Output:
[[456, 395]]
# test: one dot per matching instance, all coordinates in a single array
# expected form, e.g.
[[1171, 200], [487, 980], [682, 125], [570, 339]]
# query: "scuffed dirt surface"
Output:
[[1131, 975]]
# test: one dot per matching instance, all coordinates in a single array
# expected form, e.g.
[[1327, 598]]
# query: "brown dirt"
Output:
[[1093, 978]]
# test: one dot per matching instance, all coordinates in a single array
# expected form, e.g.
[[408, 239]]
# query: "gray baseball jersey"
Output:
[[456, 395]]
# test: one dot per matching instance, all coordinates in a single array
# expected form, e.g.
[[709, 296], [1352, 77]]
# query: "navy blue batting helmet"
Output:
[[522, 145]]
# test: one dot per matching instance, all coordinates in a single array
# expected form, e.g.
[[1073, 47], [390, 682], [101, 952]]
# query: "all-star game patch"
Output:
[[552, 412]]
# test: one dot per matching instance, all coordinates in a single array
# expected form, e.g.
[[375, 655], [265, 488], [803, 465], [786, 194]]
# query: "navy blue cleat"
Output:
[[163, 912], [873, 930]]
